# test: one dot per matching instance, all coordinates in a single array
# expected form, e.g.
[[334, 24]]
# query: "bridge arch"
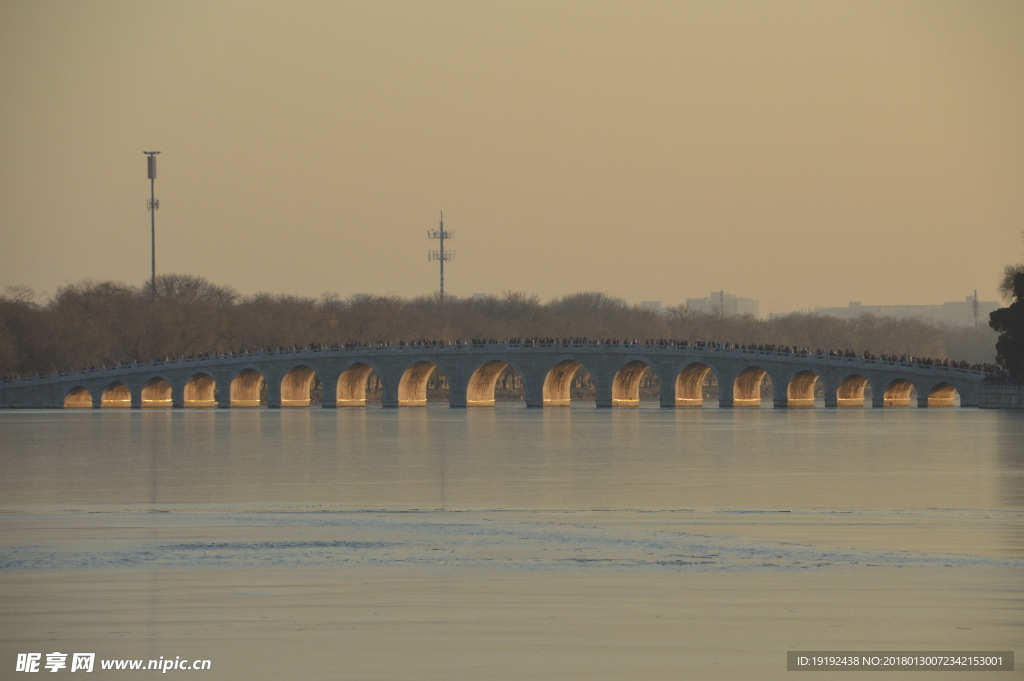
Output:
[[557, 387], [483, 381], [200, 390], [116, 396], [942, 395], [746, 388], [899, 393], [851, 391], [78, 398], [412, 387], [297, 385], [626, 382], [247, 385], [800, 388], [156, 393], [353, 384], [690, 383]]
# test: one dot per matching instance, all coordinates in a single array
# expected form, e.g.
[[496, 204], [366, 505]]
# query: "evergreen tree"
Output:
[[1009, 322]]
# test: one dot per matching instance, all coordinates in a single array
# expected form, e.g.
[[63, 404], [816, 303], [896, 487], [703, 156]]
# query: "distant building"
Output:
[[953, 313], [725, 304], [652, 305], [479, 296]]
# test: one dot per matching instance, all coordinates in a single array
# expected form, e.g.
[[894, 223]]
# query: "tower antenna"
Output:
[[153, 206], [974, 308], [440, 255]]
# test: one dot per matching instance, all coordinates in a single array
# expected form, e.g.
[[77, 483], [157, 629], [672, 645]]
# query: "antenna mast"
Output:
[[441, 255], [974, 308], [153, 206]]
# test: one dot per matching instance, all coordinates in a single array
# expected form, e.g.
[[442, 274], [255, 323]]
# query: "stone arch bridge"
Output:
[[472, 370]]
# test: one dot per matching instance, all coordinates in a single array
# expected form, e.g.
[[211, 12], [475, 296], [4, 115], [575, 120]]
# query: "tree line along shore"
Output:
[[105, 323]]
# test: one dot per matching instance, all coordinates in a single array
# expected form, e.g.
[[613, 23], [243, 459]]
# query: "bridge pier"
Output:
[[457, 398], [969, 397], [329, 389], [223, 392], [389, 391], [725, 391], [533, 386], [603, 388], [273, 392], [667, 396], [177, 396]]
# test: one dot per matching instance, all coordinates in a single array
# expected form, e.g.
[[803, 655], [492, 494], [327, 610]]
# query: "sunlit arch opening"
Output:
[[800, 393], [510, 386], [78, 398], [565, 378], [300, 387], [201, 391], [358, 384], [943, 396], [626, 383], [116, 396], [156, 394], [851, 391], [750, 386], [422, 382], [899, 393], [692, 383], [493, 381], [248, 389]]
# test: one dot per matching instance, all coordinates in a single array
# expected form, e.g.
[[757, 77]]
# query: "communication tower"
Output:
[[153, 206], [974, 308], [440, 255]]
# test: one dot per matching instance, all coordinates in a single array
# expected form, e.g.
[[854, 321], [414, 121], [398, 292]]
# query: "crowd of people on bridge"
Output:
[[993, 372]]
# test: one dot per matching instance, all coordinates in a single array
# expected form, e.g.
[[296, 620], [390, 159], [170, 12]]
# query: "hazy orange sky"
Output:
[[800, 153]]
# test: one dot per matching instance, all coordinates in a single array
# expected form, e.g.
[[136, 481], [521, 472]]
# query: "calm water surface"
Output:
[[547, 544], [514, 458]]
